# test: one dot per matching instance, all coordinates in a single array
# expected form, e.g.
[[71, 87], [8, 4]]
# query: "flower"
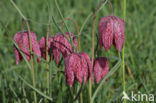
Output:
[[111, 31], [42, 44], [61, 44], [77, 66], [55, 53], [22, 40], [89, 64], [100, 68]]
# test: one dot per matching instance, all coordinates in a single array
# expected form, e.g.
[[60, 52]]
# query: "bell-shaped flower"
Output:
[[61, 44], [22, 40], [77, 66], [100, 68], [111, 31]]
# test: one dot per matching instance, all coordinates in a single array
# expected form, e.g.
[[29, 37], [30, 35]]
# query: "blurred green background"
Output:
[[140, 49]]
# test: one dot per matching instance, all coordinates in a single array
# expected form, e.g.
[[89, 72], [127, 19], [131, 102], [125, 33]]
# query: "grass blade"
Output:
[[39, 92], [78, 94], [71, 41], [22, 54]]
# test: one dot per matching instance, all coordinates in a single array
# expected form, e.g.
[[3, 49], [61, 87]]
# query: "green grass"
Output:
[[140, 57]]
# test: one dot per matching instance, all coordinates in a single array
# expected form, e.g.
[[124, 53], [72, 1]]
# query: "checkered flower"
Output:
[[111, 31], [61, 44], [77, 66], [22, 40], [100, 68]]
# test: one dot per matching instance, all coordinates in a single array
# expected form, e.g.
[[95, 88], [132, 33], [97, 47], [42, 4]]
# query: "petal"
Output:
[[62, 44], [56, 54], [68, 72], [101, 68], [119, 36], [42, 44], [35, 45], [75, 62], [84, 68], [25, 45], [89, 65], [17, 55], [17, 39], [106, 32], [97, 71]]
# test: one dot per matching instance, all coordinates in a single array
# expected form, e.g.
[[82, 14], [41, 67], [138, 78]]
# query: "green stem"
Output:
[[81, 97], [30, 44], [31, 61], [93, 43], [71, 41], [47, 57], [123, 50], [77, 29]]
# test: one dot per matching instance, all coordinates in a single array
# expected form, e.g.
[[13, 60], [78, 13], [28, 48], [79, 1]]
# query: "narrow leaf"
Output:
[[39, 92], [78, 94]]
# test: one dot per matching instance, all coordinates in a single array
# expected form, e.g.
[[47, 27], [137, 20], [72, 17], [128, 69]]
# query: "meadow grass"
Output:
[[139, 51]]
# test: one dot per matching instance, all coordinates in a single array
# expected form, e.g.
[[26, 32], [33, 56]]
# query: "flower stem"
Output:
[[111, 7], [79, 47], [30, 44], [93, 43], [22, 24], [47, 57], [77, 29], [123, 50], [70, 40], [31, 60]]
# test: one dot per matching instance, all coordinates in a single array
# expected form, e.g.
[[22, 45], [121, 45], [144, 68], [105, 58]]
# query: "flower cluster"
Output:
[[78, 65]]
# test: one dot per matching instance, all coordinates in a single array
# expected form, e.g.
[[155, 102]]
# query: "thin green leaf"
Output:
[[30, 52], [22, 54], [59, 98], [82, 27], [18, 10], [78, 94], [71, 41], [39, 92], [119, 93]]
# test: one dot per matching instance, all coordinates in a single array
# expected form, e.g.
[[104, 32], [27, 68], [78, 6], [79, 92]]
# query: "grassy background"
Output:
[[140, 53]]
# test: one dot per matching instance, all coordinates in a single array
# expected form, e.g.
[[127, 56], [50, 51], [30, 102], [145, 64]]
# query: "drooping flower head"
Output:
[[111, 31], [77, 66], [51, 49], [22, 40], [58, 44], [61, 44], [89, 64], [100, 68]]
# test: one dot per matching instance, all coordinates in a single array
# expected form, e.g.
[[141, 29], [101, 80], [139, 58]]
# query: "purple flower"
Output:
[[22, 40], [111, 30], [100, 68], [77, 66], [89, 64], [61, 44], [42, 44]]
